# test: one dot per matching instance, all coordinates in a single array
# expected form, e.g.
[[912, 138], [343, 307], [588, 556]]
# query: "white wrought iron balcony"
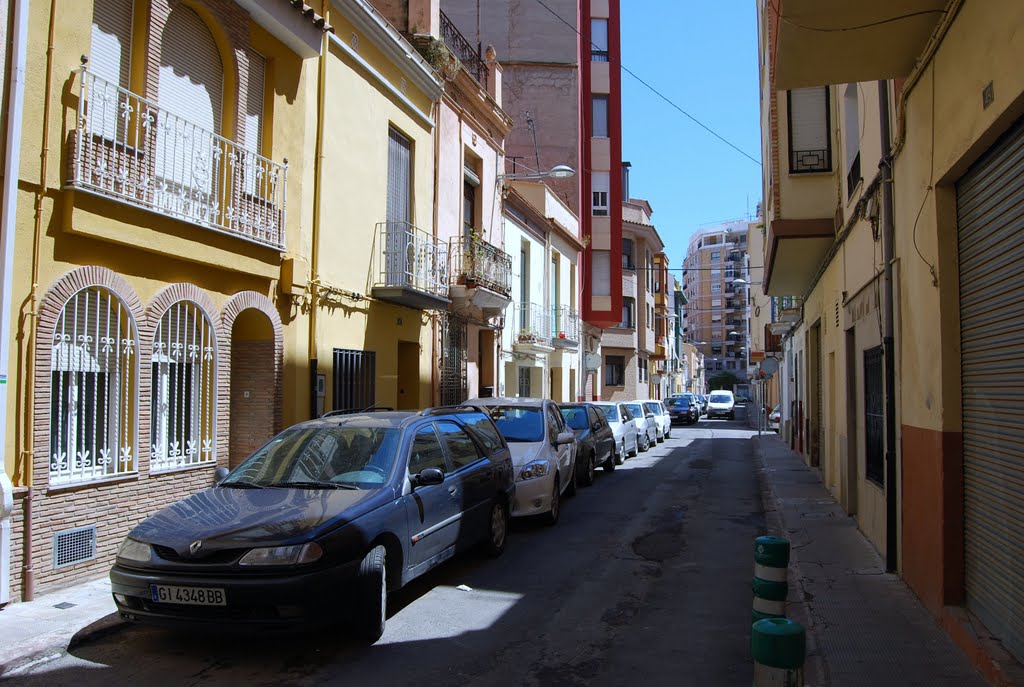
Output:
[[481, 274], [565, 330], [532, 328], [128, 148], [412, 266]]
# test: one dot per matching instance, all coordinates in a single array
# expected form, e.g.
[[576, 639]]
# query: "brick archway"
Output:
[[254, 376], [50, 307]]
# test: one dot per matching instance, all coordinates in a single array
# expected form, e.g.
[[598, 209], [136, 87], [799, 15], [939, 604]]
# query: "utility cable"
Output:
[[659, 93]]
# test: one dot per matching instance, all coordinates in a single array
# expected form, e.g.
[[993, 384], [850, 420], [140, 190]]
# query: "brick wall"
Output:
[[253, 394]]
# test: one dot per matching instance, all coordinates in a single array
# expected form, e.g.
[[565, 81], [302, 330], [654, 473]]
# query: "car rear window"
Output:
[[576, 417], [518, 423], [481, 427], [680, 402]]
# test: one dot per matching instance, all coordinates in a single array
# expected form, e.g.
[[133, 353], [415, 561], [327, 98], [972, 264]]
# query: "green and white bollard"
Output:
[[778, 646], [771, 560]]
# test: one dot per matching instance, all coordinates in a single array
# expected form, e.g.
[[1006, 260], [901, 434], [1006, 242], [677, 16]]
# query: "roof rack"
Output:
[[357, 411], [439, 410]]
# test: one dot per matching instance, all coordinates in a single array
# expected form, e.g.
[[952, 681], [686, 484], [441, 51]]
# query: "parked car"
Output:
[[325, 520], [661, 418], [627, 438], [722, 404], [543, 453], [683, 409], [594, 438], [647, 428], [775, 417]]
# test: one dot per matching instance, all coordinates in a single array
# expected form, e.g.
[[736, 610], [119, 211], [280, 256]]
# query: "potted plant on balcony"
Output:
[[527, 335]]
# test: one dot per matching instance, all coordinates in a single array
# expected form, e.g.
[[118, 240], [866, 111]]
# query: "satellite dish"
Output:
[[769, 366]]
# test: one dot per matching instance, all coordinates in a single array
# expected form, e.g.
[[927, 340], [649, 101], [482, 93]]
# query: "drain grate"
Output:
[[74, 546]]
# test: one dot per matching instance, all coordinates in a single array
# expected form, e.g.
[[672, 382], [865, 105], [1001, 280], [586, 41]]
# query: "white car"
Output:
[[623, 427], [775, 417], [721, 404], [661, 416], [543, 452], [646, 425]]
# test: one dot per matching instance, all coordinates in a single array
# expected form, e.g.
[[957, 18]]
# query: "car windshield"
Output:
[[635, 409], [610, 412], [518, 423], [678, 402], [576, 417], [653, 407], [321, 457], [720, 398]]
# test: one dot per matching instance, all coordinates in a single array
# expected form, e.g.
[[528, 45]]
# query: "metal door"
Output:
[[354, 379], [453, 372], [990, 218]]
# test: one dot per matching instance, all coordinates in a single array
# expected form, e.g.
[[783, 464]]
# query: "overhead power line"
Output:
[[659, 93]]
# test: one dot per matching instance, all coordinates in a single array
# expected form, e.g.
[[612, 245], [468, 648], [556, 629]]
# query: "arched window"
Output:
[[93, 386], [184, 389], [190, 96]]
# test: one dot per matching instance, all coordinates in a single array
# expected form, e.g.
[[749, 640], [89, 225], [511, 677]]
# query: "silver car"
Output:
[[646, 425], [661, 417], [543, 452], [623, 427]]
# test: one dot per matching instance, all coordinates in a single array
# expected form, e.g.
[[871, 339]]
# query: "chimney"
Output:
[[425, 17]]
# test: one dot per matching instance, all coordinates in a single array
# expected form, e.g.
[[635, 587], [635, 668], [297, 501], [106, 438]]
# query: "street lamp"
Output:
[[556, 172]]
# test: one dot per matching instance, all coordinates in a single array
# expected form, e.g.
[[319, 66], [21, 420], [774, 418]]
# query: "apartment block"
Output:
[[892, 213]]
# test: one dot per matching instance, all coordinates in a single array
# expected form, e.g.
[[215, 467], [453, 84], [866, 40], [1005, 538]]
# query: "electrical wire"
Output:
[[657, 92]]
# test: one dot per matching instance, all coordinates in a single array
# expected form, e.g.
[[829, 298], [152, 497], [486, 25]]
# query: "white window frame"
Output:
[[600, 190], [183, 424], [94, 350]]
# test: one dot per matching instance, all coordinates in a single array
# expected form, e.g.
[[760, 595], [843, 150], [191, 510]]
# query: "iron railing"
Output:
[[464, 50], [532, 323], [565, 324], [410, 257], [803, 161], [477, 263], [129, 148]]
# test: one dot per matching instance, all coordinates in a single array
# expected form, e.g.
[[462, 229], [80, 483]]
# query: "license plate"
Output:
[[190, 596]]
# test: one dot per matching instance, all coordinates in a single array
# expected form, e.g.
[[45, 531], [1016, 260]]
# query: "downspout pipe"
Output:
[[891, 492], [12, 172], [314, 260]]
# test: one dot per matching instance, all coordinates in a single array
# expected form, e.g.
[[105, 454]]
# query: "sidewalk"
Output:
[[54, 622], [864, 626]]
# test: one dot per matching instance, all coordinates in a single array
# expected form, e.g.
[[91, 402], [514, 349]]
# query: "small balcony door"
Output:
[[398, 240]]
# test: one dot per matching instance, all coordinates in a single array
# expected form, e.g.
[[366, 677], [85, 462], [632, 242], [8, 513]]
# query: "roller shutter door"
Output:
[[990, 218]]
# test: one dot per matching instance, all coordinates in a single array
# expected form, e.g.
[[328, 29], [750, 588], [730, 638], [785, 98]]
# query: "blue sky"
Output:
[[703, 57]]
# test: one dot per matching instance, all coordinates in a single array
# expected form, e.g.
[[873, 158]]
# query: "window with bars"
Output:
[[810, 147], [93, 385], [355, 373], [184, 390]]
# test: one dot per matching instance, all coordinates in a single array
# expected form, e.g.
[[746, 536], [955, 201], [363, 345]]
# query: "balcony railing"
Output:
[[410, 258], [128, 148], [532, 323], [565, 324], [478, 263], [463, 49]]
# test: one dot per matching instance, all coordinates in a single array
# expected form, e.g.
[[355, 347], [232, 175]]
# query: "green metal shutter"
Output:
[[990, 216]]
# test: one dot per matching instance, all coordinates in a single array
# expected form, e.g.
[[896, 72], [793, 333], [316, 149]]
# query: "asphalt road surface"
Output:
[[644, 581]]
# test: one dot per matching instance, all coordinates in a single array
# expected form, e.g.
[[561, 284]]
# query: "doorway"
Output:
[[408, 375]]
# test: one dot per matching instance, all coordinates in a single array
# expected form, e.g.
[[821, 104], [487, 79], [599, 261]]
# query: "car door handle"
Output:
[[453, 490]]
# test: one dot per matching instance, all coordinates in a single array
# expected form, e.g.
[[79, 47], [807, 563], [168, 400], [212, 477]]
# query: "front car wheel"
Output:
[[372, 600]]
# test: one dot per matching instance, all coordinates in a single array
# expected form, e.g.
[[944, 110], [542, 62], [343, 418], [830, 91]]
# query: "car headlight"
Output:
[[283, 555], [534, 469], [132, 550]]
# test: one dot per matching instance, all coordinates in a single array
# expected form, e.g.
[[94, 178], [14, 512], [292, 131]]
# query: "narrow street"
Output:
[[645, 580]]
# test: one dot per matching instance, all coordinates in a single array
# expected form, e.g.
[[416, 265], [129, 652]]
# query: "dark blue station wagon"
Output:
[[322, 522]]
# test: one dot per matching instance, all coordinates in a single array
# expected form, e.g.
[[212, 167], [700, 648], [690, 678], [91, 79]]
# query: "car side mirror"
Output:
[[427, 476], [219, 474], [565, 438]]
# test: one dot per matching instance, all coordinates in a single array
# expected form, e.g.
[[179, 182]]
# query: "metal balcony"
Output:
[[412, 267], [481, 274], [464, 50], [128, 148], [565, 328], [531, 331]]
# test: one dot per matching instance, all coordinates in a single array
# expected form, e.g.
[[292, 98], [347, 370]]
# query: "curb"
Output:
[[107, 625], [815, 665]]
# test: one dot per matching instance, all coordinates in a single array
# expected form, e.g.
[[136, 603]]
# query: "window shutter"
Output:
[[110, 52], [399, 177], [601, 276], [809, 119], [191, 72], [254, 103]]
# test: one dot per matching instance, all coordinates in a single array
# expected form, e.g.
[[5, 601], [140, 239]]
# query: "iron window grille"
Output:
[[355, 374], [804, 156]]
